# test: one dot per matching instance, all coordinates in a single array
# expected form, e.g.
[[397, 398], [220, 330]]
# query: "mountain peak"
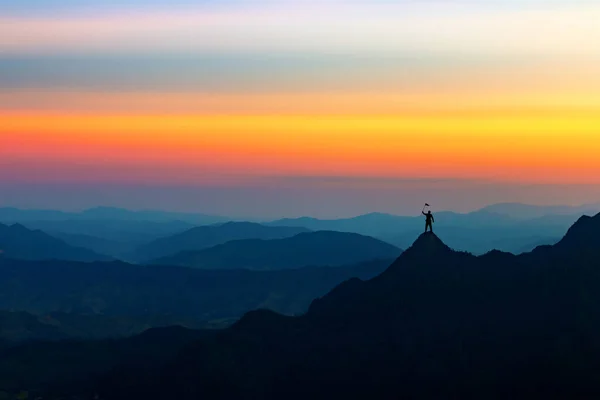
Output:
[[428, 249], [429, 243]]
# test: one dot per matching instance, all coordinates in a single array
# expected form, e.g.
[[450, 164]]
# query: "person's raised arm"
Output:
[[423, 212]]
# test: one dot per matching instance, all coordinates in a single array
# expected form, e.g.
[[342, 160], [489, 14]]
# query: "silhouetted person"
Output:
[[429, 220]]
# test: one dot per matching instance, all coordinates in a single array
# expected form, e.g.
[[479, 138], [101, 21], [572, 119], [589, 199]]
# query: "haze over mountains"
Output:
[[435, 324]]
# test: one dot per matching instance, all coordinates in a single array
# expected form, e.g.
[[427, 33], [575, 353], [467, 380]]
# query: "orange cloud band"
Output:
[[524, 147]]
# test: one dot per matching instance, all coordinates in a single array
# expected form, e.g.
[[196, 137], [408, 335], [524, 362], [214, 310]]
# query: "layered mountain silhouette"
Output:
[[16, 241], [306, 249], [436, 324], [203, 237]]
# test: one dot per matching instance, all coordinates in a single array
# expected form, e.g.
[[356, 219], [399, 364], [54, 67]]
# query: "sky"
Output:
[[328, 108]]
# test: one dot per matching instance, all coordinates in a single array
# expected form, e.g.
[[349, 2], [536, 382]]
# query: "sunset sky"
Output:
[[285, 108]]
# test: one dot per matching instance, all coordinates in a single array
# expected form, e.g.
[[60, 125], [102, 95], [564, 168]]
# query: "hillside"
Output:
[[17, 327], [306, 249], [203, 237], [152, 296], [16, 241]]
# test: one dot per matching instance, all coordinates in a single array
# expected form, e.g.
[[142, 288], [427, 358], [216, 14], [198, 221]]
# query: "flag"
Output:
[[427, 205]]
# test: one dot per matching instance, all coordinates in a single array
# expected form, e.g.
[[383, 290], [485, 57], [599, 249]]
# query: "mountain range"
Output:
[[137, 235], [312, 248], [203, 237], [436, 324]]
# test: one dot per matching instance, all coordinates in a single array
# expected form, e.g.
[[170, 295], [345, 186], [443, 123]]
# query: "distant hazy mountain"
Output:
[[119, 235], [97, 244], [436, 324], [306, 249], [202, 237], [16, 241], [15, 215], [374, 223], [527, 211], [156, 295], [377, 224]]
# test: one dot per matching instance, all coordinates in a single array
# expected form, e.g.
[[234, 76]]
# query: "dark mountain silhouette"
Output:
[[436, 324], [203, 237], [16, 241], [305, 249], [21, 326], [17, 327], [47, 362], [155, 295]]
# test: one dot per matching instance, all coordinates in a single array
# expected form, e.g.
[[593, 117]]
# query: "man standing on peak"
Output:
[[429, 220]]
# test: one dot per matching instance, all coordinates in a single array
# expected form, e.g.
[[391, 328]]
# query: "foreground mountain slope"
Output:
[[202, 237], [36, 365], [18, 326], [164, 293], [16, 241], [305, 249], [436, 324]]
